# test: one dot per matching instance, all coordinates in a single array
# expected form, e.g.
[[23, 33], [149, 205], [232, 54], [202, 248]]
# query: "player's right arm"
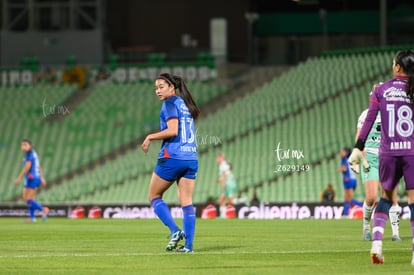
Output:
[[171, 131]]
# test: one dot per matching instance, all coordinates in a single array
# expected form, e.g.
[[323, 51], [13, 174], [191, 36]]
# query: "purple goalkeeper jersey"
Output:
[[397, 121]]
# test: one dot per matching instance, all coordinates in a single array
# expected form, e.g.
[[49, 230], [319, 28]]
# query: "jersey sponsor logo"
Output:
[[395, 94]]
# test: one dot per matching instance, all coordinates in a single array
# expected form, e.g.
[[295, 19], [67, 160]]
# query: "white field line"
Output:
[[64, 255]]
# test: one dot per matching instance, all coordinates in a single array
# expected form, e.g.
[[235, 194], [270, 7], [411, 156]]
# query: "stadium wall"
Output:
[[140, 211], [52, 47]]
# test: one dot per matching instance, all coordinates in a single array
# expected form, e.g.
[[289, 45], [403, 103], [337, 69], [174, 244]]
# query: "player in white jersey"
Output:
[[228, 184], [370, 178]]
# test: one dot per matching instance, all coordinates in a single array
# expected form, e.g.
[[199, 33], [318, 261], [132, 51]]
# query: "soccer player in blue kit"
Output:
[[394, 99], [32, 172], [177, 159], [349, 181]]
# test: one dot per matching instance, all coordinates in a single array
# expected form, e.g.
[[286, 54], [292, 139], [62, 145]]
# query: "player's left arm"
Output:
[[358, 131], [26, 169], [170, 131], [41, 176]]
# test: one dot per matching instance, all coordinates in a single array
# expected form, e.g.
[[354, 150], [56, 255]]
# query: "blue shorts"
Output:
[[350, 184], [33, 183], [173, 169]]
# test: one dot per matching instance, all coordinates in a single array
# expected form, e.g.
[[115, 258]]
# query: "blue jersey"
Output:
[[348, 175], [183, 146], [34, 171]]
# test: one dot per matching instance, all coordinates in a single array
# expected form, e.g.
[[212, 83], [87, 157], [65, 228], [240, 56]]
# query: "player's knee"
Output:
[[370, 200], [152, 196], [26, 197], [186, 201]]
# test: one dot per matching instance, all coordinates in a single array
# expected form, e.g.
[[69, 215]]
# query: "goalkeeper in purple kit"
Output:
[[394, 99]]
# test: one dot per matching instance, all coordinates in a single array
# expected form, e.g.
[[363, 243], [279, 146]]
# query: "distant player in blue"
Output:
[[32, 173], [177, 160], [349, 181]]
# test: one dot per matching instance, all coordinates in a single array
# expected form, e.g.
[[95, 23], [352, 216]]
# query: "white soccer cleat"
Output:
[[376, 253]]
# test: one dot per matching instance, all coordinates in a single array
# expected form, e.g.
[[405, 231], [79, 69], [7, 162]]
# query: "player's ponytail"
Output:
[[179, 84], [186, 96], [406, 60]]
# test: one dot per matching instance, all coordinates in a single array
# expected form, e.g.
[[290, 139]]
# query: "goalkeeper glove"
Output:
[[355, 159]]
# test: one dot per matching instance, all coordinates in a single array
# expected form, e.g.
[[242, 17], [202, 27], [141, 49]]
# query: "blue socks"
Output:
[[189, 221], [32, 213], [164, 214], [357, 202], [347, 204], [33, 206]]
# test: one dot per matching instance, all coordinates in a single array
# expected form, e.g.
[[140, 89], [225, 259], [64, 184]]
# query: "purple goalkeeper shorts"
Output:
[[393, 168]]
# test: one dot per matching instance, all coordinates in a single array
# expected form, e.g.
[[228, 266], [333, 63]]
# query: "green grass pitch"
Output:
[[65, 246]]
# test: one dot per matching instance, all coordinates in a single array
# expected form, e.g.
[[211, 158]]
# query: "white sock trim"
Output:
[[378, 229]]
